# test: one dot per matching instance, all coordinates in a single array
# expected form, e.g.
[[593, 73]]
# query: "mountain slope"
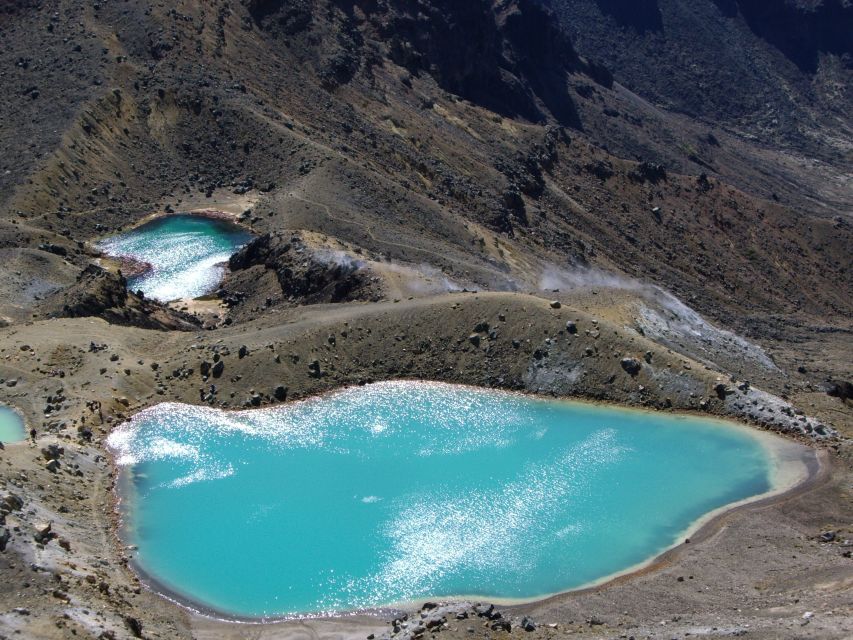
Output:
[[315, 107], [780, 70]]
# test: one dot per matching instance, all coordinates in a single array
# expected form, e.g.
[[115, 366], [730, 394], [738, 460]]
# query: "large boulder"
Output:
[[632, 366]]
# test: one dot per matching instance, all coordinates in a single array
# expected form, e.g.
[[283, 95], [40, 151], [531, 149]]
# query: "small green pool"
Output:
[[11, 425]]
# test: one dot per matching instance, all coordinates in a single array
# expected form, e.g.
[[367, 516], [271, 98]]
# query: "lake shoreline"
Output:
[[784, 486]]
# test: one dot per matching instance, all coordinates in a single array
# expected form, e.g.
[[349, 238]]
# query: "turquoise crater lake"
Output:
[[186, 254], [400, 491], [11, 425]]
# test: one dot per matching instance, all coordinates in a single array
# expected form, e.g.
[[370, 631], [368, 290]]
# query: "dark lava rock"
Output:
[[43, 532], [52, 452], [53, 248], [502, 625], [134, 626], [11, 502], [601, 169], [842, 389], [514, 204], [648, 172], [306, 275], [100, 293], [631, 365]]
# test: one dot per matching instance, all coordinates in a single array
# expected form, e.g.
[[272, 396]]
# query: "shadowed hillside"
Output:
[[780, 70]]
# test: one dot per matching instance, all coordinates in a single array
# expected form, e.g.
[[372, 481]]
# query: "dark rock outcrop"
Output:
[[648, 172], [842, 389], [631, 366], [304, 274], [100, 293]]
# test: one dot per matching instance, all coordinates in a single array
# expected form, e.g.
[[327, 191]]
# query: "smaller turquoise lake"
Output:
[[403, 491], [186, 253], [11, 425]]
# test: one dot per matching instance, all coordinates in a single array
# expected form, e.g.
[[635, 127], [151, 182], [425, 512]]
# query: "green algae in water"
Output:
[[11, 425], [402, 491], [186, 254]]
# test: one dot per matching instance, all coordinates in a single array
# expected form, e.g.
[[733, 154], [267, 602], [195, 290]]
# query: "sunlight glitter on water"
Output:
[[186, 253], [398, 491]]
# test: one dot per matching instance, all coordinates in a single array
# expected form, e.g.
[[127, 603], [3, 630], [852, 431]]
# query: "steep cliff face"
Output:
[[800, 29]]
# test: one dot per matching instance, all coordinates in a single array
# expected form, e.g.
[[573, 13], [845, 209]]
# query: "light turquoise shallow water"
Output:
[[186, 253], [11, 425], [402, 491]]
